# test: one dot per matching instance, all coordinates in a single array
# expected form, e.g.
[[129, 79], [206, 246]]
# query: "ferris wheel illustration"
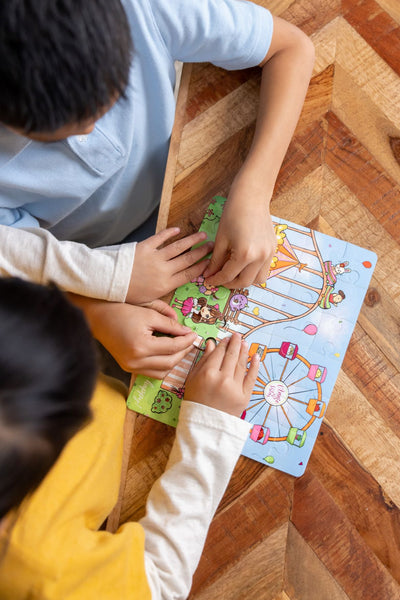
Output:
[[287, 396]]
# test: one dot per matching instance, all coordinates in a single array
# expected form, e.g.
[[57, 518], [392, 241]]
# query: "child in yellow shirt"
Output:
[[60, 472]]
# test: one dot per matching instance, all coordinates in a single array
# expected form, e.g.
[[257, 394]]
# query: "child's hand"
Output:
[[245, 242], [157, 271], [220, 379], [127, 333]]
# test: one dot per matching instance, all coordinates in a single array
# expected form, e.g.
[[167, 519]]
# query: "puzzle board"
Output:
[[299, 321]]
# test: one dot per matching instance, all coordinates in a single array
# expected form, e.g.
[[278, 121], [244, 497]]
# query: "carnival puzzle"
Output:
[[299, 321]]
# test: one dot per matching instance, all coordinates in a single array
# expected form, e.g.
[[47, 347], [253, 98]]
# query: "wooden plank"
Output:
[[353, 222], [318, 99], [211, 128], [174, 147], [260, 574], [362, 500], [378, 29], [324, 41], [312, 15], [392, 7], [368, 436], [210, 84], [305, 575], [300, 203], [304, 155], [363, 175], [261, 509], [366, 122], [369, 71], [338, 545], [283, 596], [194, 190], [373, 373]]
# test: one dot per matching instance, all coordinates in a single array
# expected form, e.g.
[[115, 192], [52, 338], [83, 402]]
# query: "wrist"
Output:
[[251, 182], [92, 308]]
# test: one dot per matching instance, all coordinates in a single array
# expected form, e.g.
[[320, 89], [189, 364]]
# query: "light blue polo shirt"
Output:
[[97, 188]]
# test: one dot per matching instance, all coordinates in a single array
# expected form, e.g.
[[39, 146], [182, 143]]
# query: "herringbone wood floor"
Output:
[[335, 532]]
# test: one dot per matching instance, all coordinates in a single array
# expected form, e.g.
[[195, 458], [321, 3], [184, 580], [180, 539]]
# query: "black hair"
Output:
[[61, 61], [48, 369]]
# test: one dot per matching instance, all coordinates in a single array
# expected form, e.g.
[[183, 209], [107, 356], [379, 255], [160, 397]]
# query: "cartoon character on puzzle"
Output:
[[329, 297], [205, 288], [198, 310]]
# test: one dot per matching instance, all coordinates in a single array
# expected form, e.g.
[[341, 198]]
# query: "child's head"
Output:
[[47, 375], [62, 63]]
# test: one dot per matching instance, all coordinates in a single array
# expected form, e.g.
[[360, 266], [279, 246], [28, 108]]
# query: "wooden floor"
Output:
[[333, 534]]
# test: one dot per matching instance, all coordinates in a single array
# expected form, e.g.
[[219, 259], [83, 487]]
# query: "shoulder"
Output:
[[229, 33]]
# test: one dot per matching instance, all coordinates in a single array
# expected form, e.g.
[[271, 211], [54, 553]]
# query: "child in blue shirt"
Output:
[[86, 113]]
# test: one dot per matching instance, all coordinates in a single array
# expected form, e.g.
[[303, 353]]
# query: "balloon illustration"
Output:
[[309, 329]]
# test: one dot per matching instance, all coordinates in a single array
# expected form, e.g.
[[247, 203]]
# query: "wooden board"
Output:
[[335, 532]]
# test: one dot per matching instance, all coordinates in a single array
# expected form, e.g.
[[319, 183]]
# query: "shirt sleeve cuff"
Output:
[[122, 272], [212, 418]]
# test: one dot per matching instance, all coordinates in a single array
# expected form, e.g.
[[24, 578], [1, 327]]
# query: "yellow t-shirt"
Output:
[[55, 551]]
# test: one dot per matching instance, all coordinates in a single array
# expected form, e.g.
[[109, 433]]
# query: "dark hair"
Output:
[[48, 369], [61, 61], [215, 314]]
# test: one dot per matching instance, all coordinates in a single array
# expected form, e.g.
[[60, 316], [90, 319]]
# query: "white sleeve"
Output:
[[183, 501], [35, 254]]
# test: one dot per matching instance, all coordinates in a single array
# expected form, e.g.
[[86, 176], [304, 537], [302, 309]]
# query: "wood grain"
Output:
[[335, 532]]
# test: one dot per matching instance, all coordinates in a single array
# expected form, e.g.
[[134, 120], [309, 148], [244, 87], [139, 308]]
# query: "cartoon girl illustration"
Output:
[[198, 310]]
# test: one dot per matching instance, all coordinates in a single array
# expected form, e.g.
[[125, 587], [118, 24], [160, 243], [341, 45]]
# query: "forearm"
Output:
[[93, 309], [35, 254], [183, 501], [285, 79]]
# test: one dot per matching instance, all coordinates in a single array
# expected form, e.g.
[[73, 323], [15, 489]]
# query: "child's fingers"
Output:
[[251, 375], [176, 248], [209, 349], [184, 261], [158, 239], [165, 345], [189, 274], [263, 273], [218, 354], [231, 355], [241, 367], [158, 366], [163, 308]]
